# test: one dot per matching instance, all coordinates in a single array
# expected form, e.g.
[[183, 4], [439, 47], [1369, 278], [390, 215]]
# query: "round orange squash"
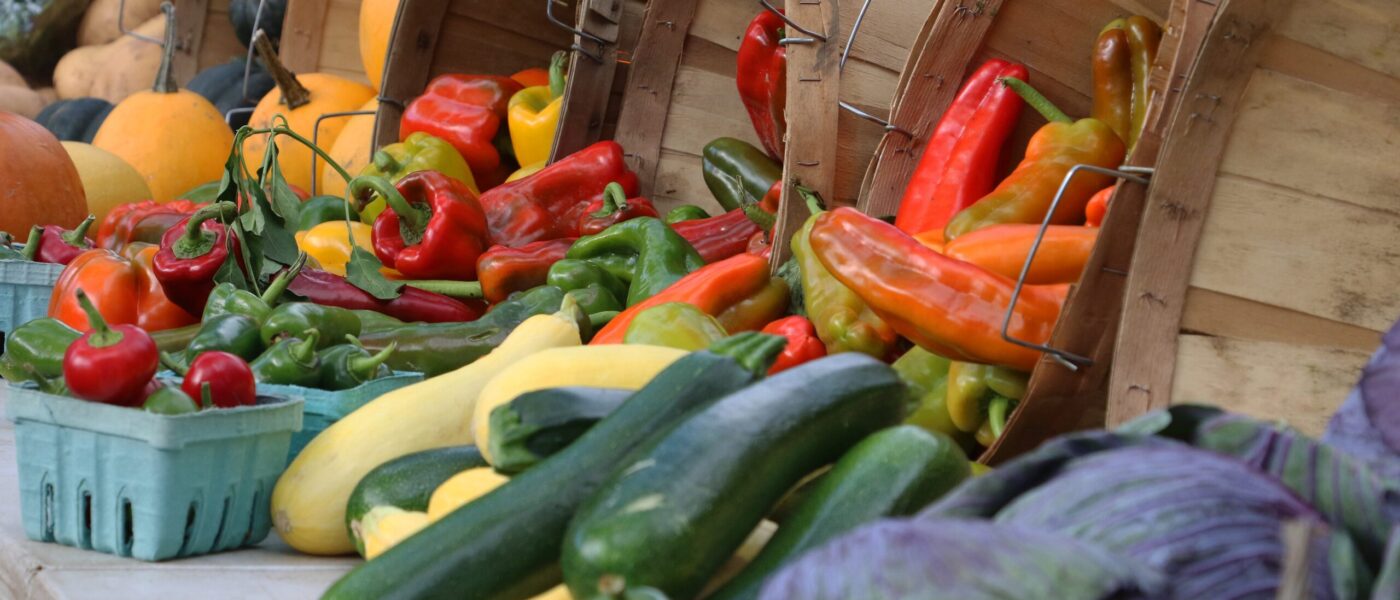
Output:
[[376, 24], [351, 152], [39, 184]]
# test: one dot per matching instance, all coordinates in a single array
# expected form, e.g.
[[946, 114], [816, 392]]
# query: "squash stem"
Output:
[[294, 94], [165, 79]]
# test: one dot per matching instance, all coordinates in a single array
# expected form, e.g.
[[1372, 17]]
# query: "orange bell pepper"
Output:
[[946, 306], [714, 289], [122, 288], [1002, 249], [1097, 209]]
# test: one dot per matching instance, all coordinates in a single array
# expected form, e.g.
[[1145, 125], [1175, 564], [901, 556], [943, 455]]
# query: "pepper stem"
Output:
[[304, 352], [294, 94], [31, 245], [814, 202], [165, 77], [614, 200], [169, 361], [1037, 100], [196, 242], [385, 163], [76, 237], [101, 335], [557, 65], [274, 290], [762, 218], [413, 221], [448, 287], [362, 368]]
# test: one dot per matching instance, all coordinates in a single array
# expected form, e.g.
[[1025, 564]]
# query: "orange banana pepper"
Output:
[[714, 289], [1002, 249], [1097, 208], [122, 288]]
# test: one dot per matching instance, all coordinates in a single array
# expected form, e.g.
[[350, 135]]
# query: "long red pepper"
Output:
[[959, 165], [412, 305], [723, 236], [761, 73]]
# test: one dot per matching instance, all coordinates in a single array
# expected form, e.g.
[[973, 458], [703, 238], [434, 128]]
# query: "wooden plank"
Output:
[[1213, 313], [406, 72], [1299, 60], [1302, 385], [190, 18], [218, 45], [1360, 31], [814, 83], [589, 87], [652, 76], [339, 52], [1176, 207], [302, 28]]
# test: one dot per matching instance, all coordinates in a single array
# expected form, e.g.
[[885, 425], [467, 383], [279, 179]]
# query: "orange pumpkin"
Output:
[[38, 183], [301, 100]]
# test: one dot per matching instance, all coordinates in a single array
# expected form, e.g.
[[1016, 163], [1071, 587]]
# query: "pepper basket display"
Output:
[[131, 483]]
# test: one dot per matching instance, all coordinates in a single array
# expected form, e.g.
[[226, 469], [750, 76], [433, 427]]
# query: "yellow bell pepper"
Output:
[[526, 171], [533, 115], [329, 245]]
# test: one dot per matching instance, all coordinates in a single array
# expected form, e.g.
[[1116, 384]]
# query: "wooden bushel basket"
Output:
[[323, 36], [205, 37], [1266, 268]]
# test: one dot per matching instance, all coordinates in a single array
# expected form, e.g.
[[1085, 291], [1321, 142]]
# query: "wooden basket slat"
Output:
[[206, 37], [322, 36]]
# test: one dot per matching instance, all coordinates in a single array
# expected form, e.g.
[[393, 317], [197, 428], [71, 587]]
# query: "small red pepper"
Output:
[[432, 228], [613, 208], [112, 364], [123, 223], [412, 305], [723, 236], [802, 345], [468, 111], [192, 252], [229, 378], [548, 204], [762, 78], [503, 270], [58, 245]]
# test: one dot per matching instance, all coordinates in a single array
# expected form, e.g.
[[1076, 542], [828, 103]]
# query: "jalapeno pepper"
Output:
[[294, 319], [290, 361], [347, 366], [737, 173]]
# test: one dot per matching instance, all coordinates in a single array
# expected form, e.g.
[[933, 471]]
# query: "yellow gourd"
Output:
[[174, 138], [107, 180], [622, 366], [463, 488], [385, 526], [351, 152], [308, 503], [376, 24], [301, 99]]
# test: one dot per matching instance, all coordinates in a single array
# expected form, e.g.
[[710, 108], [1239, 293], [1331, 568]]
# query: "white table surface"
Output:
[[39, 571]]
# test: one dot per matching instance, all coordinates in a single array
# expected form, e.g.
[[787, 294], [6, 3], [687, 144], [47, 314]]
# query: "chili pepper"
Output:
[[168, 400], [503, 270], [721, 237], [613, 208], [227, 299], [533, 114], [548, 204], [374, 321], [674, 325], [959, 165], [34, 350], [124, 289], [60, 246], [944, 305], [761, 308], [417, 152], [843, 320], [1025, 195], [294, 319], [651, 255], [1002, 249], [685, 212], [713, 289], [970, 387], [413, 304], [231, 333], [1097, 208], [290, 361], [324, 209], [926, 374], [575, 274], [434, 227], [349, 365], [109, 364], [119, 227], [434, 349], [802, 342], [1113, 79], [192, 253], [228, 377], [737, 172], [467, 111], [762, 79]]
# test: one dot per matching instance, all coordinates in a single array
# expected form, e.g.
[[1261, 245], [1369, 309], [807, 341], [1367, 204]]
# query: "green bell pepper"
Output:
[[577, 274], [235, 334], [290, 361], [349, 365], [738, 172], [685, 212], [674, 325], [595, 299], [644, 252], [34, 352], [419, 152], [322, 209], [293, 319]]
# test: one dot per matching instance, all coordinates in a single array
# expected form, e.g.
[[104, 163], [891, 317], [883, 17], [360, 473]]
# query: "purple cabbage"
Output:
[[1368, 424], [958, 559]]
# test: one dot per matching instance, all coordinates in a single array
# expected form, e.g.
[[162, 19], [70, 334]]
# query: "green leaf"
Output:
[[207, 192], [284, 202], [363, 272]]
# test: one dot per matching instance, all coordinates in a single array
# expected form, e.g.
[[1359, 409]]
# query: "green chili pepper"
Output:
[[290, 361], [170, 400], [575, 274], [657, 255], [34, 351], [295, 318], [322, 209], [227, 299], [350, 365], [674, 325], [375, 321], [686, 212], [738, 172], [177, 339], [235, 334]]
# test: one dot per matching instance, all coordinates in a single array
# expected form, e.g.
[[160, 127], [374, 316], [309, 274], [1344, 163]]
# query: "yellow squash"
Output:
[[622, 366], [385, 526], [463, 488], [308, 503]]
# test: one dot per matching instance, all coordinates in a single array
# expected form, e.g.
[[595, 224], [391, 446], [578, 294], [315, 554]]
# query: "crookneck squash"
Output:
[[302, 99], [223, 86], [174, 138], [75, 120], [41, 185]]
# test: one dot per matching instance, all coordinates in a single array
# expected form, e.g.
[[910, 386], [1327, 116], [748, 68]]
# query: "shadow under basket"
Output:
[[153, 487]]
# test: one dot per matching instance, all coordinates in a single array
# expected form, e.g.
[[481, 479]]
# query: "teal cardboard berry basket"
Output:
[[25, 289], [323, 408], [152, 487]]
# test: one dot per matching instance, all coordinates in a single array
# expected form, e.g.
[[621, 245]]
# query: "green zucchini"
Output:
[[506, 543], [538, 424], [672, 517], [406, 483], [892, 473]]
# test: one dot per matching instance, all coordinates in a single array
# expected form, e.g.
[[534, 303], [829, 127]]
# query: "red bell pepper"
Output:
[[125, 223], [192, 252], [762, 79], [960, 162], [802, 342], [548, 204], [613, 208], [468, 111], [432, 228], [503, 270], [412, 305], [110, 364], [723, 236], [229, 378], [59, 246]]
